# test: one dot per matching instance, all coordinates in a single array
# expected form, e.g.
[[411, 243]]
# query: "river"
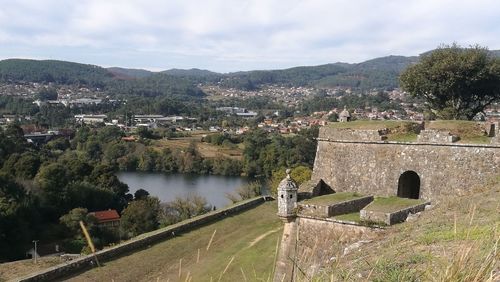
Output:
[[169, 186]]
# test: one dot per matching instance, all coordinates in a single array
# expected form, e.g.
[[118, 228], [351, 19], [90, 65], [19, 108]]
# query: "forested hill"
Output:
[[125, 73], [379, 73], [46, 71], [115, 81]]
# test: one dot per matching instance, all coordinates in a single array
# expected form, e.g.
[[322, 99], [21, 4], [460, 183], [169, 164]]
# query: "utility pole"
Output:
[[35, 254]]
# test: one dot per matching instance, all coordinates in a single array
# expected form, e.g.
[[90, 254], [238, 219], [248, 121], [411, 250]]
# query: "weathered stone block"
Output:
[[391, 218], [436, 136]]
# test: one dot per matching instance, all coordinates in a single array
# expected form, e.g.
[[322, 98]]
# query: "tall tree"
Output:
[[455, 82]]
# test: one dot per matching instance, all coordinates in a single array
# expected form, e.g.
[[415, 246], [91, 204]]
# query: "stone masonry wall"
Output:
[[71, 267], [375, 167]]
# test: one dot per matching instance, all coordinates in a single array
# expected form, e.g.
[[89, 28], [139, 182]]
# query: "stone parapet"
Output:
[[329, 210]]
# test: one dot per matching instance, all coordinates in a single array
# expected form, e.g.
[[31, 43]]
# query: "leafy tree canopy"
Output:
[[455, 82]]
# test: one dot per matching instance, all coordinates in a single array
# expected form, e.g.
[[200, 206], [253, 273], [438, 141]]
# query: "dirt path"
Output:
[[256, 240]]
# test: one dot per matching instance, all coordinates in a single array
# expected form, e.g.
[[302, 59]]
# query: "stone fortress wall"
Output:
[[361, 161]]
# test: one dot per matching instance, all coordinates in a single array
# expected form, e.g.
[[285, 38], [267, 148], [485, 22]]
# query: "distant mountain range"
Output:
[[379, 73]]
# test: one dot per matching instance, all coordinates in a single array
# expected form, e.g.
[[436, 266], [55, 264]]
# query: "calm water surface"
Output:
[[169, 186]]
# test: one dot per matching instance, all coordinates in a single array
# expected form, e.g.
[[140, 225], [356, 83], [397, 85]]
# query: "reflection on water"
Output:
[[168, 186]]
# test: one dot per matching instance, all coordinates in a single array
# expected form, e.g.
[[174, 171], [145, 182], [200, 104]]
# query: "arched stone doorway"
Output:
[[409, 185]]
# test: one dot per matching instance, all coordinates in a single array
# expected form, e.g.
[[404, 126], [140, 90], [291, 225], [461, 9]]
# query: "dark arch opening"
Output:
[[409, 185]]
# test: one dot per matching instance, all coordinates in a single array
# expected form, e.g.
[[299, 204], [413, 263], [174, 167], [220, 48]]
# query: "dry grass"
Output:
[[455, 241], [468, 131], [12, 270]]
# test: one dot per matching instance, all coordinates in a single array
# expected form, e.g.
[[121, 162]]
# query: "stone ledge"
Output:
[[492, 145], [391, 218], [329, 210]]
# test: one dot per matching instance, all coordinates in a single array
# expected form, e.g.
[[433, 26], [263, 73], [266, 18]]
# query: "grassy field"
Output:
[[332, 198], [469, 131], [245, 244], [205, 149]]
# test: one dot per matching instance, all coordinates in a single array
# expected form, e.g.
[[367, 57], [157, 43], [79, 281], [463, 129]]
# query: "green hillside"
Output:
[[244, 243], [59, 72], [378, 73], [115, 81], [129, 73]]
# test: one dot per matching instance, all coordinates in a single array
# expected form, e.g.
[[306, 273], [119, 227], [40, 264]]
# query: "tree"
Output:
[[247, 191], [141, 194], [455, 82], [184, 208], [72, 221], [299, 174], [141, 216], [333, 117]]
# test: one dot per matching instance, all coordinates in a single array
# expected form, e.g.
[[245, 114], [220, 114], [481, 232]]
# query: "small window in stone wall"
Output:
[[281, 196], [291, 196]]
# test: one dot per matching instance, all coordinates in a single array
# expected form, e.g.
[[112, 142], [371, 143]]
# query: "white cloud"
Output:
[[233, 35]]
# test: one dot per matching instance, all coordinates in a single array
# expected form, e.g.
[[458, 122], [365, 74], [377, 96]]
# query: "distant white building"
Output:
[[90, 119]]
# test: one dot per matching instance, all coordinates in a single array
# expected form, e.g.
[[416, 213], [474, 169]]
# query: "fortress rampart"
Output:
[[361, 161]]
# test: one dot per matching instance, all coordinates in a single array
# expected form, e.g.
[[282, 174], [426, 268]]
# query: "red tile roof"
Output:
[[105, 216]]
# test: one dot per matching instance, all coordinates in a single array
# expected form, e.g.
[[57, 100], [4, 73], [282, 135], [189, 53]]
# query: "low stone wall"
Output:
[[350, 134], [391, 217], [436, 136], [142, 241], [349, 206], [315, 210]]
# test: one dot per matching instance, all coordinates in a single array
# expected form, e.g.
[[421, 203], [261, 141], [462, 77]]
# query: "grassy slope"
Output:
[[433, 248], [250, 237]]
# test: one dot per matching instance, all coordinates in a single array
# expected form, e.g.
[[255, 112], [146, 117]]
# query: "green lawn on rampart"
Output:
[[392, 204], [470, 132], [331, 199], [245, 244]]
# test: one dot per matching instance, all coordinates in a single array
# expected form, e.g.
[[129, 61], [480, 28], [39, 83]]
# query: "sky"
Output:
[[235, 35]]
